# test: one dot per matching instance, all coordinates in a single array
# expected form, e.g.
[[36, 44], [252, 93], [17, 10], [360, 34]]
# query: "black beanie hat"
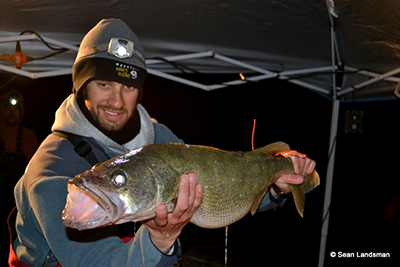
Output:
[[110, 51]]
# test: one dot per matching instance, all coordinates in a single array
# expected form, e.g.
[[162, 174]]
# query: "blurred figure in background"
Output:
[[17, 146]]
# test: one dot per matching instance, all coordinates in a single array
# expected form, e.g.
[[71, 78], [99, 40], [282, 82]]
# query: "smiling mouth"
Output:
[[112, 114]]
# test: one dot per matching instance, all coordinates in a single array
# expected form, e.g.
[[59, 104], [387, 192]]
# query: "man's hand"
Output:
[[165, 228], [302, 165]]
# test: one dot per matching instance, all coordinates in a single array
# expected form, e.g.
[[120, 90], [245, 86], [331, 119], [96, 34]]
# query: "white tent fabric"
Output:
[[274, 35], [344, 49]]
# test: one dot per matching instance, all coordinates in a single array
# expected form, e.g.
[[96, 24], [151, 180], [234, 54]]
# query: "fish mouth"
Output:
[[88, 207]]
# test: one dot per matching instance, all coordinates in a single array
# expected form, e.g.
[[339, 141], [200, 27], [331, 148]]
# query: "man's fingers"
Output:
[[161, 218], [183, 196], [302, 165], [192, 188], [284, 181], [199, 195], [311, 167], [169, 225], [189, 196], [290, 179], [296, 163]]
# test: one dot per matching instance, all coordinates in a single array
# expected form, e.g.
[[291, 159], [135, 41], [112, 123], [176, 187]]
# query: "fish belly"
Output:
[[227, 197], [232, 182]]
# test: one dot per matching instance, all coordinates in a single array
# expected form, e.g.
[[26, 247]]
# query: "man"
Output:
[[108, 75]]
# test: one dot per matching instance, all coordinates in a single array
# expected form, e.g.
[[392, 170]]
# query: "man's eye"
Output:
[[103, 85], [131, 88]]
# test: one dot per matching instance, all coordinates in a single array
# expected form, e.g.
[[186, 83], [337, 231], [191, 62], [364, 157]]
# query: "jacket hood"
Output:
[[69, 118]]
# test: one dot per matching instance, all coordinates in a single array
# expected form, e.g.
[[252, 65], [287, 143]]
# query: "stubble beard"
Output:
[[111, 126]]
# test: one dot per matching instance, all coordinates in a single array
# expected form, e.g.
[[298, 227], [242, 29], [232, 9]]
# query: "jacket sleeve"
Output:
[[96, 247], [41, 197], [164, 135], [269, 202]]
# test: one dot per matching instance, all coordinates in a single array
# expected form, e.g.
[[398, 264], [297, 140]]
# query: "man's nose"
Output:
[[116, 98]]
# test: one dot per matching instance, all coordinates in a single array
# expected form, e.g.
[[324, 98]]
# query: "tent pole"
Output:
[[329, 180], [336, 86]]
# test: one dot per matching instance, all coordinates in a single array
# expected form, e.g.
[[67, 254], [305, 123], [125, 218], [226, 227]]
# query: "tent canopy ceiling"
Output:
[[273, 35]]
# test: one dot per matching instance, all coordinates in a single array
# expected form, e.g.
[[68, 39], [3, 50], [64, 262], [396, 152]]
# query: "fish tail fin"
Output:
[[310, 182]]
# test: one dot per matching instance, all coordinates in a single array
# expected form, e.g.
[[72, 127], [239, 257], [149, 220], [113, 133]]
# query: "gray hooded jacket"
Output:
[[41, 194]]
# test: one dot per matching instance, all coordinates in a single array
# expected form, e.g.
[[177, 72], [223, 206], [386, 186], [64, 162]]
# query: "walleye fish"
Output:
[[131, 186]]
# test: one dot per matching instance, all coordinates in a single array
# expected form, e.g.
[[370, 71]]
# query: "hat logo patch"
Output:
[[134, 74], [126, 71]]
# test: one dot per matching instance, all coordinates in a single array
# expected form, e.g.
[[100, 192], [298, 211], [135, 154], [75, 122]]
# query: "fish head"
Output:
[[120, 190]]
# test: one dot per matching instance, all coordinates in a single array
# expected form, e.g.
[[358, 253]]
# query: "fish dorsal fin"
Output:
[[257, 202], [273, 148]]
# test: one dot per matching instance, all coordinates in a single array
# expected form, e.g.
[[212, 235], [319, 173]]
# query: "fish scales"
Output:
[[233, 183]]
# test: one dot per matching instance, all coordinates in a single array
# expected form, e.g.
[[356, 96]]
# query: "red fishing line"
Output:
[[291, 152], [252, 135]]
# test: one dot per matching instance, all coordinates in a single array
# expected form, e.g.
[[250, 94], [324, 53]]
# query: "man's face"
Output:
[[110, 103]]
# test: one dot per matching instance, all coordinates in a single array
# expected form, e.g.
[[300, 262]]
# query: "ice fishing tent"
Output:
[[292, 40], [342, 49]]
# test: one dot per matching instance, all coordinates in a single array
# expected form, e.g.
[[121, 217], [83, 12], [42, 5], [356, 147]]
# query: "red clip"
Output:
[[290, 153], [19, 58]]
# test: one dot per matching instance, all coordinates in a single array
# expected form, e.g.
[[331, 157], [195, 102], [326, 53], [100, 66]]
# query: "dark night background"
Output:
[[364, 214]]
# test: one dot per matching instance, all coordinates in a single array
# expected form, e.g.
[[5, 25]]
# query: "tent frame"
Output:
[[35, 75], [289, 75], [335, 60]]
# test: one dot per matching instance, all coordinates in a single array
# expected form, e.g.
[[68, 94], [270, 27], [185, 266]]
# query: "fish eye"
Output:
[[119, 178]]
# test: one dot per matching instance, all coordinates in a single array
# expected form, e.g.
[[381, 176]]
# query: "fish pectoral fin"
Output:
[[167, 182], [257, 202]]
